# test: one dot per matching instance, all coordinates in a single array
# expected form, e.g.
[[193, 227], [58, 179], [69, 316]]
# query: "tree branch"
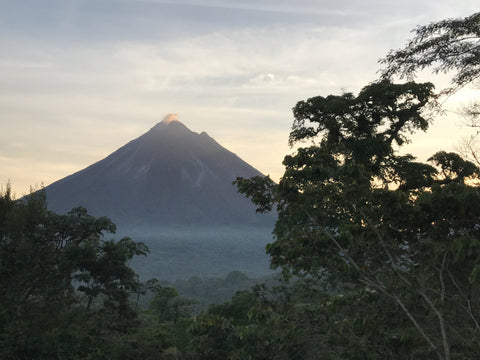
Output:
[[441, 321], [377, 284], [467, 300]]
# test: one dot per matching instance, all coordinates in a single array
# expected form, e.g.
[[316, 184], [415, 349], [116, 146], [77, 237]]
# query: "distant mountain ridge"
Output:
[[167, 176]]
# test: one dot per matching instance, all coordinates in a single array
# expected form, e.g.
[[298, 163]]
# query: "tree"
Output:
[[169, 306], [447, 46], [227, 331], [355, 213], [47, 262]]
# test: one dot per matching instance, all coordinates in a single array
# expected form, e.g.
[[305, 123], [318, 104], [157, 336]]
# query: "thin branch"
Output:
[[441, 321], [337, 244], [396, 270], [381, 287], [393, 263], [442, 282], [420, 329], [469, 305]]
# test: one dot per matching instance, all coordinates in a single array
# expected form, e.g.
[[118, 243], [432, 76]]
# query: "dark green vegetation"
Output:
[[382, 251], [64, 289]]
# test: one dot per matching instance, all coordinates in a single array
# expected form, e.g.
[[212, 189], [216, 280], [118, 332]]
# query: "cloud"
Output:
[[300, 7]]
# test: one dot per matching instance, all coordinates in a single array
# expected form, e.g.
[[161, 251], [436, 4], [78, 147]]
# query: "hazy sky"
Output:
[[80, 78]]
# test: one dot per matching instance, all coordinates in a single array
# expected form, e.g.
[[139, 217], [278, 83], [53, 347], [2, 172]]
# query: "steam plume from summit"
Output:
[[170, 117]]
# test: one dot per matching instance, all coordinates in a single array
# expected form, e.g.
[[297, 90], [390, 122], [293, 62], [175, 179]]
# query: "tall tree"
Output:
[[353, 211]]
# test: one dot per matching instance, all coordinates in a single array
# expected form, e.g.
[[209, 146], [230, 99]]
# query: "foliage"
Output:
[[302, 320], [169, 306], [64, 289], [216, 290], [447, 45], [154, 340], [353, 212]]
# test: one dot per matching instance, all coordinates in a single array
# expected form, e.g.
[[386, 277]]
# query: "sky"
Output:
[[80, 78]]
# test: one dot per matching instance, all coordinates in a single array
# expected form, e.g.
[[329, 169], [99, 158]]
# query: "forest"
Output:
[[379, 252]]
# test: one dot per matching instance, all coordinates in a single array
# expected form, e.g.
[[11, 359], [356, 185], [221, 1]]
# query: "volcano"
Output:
[[171, 188], [168, 176]]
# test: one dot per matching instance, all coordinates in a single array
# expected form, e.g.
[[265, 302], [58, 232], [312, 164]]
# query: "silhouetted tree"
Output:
[[354, 212]]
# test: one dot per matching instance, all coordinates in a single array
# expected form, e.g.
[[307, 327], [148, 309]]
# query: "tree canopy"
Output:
[[357, 214]]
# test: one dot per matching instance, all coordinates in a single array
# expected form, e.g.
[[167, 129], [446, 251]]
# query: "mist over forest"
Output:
[[211, 252]]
